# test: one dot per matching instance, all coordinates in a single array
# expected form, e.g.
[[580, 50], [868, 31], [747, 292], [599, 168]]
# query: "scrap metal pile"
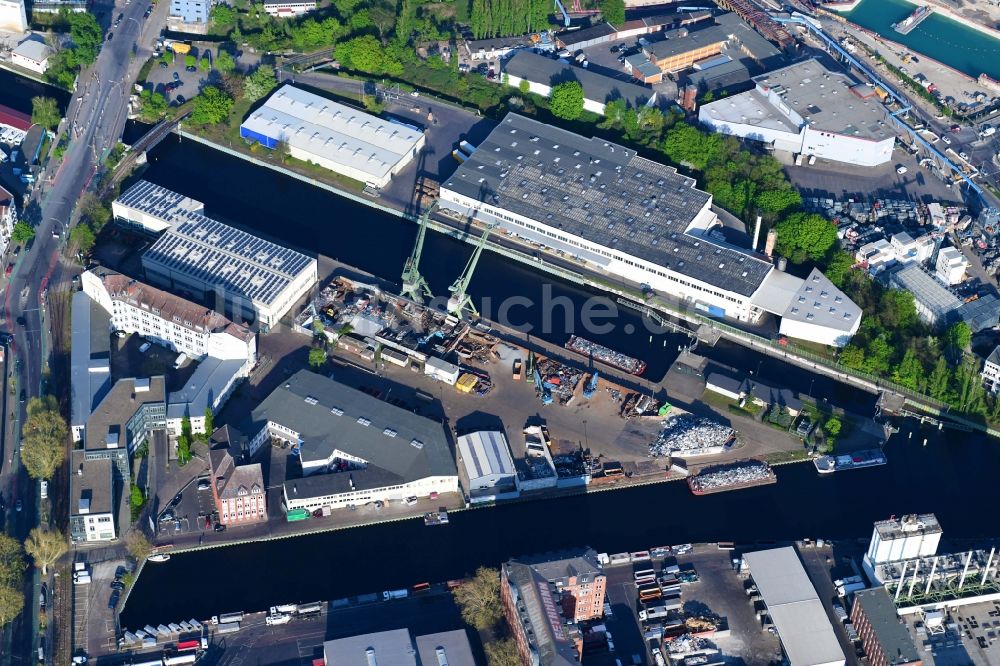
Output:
[[559, 379], [744, 473], [687, 433]]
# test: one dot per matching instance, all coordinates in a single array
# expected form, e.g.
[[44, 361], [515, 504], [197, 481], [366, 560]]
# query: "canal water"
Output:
[[952, 475], [16, 92], [960, 47]]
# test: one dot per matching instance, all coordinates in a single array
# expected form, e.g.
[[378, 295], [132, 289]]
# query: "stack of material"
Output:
[[691, 435]]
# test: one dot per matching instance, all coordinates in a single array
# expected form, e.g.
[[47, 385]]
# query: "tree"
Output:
[[205, 64], [567, 100], [689, 145], [190, 60], [45, 547], [366, 54], [613, 11], [224, 62], [957, 338], [317, 358], [87, 37], [524, 86], [910, 372], [897, 309], [803, 236], [939, 381], [167, 58], [136, 500], [259, 84], [832, 426], [184, 442], [970, 396], [23, 232], [502, 652], [138, 545], [82, 237], [11, 562], [43, 438], [852, 357], [11, 604], [45, 112], [153, 105], [209, 421], [223, 15], [838, 267], [479, 599], [211, 106]]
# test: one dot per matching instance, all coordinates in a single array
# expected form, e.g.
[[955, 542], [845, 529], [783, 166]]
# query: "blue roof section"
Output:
[[90, 370]]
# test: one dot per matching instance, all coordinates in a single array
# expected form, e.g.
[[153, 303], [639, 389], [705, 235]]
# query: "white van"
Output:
[[181, 360]]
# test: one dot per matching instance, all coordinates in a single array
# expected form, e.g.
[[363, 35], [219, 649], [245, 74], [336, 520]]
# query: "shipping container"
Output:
[[297, 514], [179, 659]]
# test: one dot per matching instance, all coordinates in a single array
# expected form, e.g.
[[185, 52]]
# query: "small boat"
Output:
[[436, 518], [159, 557]]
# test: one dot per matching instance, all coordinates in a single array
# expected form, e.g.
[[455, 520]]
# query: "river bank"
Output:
[[945, 10]]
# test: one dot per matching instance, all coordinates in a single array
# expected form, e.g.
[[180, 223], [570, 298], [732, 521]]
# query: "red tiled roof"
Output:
[[15, 119]]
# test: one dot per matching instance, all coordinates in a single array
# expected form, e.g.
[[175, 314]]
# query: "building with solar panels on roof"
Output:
[[632, 218], [252, 279]]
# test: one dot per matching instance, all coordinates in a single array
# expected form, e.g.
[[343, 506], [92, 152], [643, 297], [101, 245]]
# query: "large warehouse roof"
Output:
[[796, 611], [399, 446], [231, 259], [817, 301], [605, 193], [157, 201], [320, 126]]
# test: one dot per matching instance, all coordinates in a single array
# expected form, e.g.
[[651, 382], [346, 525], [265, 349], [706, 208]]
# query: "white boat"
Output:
[[159, 557], [854, 460]]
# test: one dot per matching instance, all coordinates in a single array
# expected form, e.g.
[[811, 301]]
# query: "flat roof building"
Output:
[[286, 8], [804, 629], [354, 448], [397, 647], [334, 136], [251, 278], [885, 639], [32, 55], [808, 109], [820, 312], [543, 74], [91, 499], [487, 466], [616, 212], [153, 208], [682, 48]]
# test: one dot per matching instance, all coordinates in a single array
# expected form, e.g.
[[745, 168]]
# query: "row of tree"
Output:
[[45, 547], [505, 18]]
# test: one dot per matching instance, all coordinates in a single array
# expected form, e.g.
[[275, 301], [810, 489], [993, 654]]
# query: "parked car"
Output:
[[181, 100], [149, 10], [901, 169], [120, 571], [219, 527], [110, 36], [177, 77], [204, 484], [43, 594], [118, 21], [117, 585], [113, 600], [191, 68], [144, 347]]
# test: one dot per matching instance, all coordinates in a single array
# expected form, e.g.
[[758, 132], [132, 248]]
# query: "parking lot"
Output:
[[608, 60]]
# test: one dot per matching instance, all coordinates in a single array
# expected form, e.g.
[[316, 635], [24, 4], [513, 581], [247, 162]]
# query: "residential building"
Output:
[[545, 598], [397, 647], [991, 371], [808, 109], [12, 16], [91, 499], [8, 218], [90, 360], [237, 486], [487, 466], [806, 635], [130, 415], [951, 265], [250, 279], [191, 11], [32, 55], [632, 218], [886, 641], [340, 138], [543, 74], [286, 8], [168, 320], [353, 447]]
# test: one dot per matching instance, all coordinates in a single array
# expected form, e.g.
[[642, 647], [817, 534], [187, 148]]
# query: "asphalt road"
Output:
[[95, 119]]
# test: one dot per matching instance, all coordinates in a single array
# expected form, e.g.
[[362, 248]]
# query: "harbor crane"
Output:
[[460, 301], [415, 287]]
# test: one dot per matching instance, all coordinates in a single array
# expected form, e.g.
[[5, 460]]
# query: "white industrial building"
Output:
[[488, 466], [152, 208], [808, 109], [991, 371], [13, 18], [170, 320], [904, 538], [354, 448], [627, 216], [32, 55], [901, 248], [817, 310], [951, 266], [441, 370], [334, 136], [806, 635]]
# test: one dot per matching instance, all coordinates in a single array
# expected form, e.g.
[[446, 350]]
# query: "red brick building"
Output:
[[238, 489], [885, 639]]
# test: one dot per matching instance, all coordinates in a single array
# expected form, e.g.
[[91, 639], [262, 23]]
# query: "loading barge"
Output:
[[733, 476], [607, 356], [907, 25], [855, 460]]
